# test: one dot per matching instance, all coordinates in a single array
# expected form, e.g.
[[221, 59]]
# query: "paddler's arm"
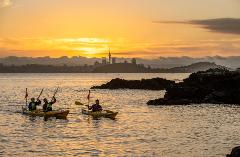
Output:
[[29, 105], [38, 102], [89, 107], [54, 100], [100, 108]]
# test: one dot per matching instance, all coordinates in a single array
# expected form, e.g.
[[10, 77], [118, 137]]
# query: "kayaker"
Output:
[[47, 106], [32, 106], [96, 107]]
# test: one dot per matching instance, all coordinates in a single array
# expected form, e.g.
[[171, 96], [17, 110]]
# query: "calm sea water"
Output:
[[139, 130]]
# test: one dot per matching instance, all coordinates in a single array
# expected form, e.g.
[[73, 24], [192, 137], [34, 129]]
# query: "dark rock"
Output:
[[149, 84], [235, 152], [215, 86]]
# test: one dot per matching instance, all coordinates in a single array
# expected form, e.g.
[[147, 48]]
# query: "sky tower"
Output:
[[109, 56]]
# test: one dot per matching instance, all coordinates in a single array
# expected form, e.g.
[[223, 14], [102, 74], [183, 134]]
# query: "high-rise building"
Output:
[[96, 63], [104, 60], [109, 57], [134, 61], [113, 60]]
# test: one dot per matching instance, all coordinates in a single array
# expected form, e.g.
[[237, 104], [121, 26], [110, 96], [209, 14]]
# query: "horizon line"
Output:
[[79, 56]]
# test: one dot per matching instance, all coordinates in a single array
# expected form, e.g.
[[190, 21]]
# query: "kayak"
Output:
[[104, 113], [61, 114]]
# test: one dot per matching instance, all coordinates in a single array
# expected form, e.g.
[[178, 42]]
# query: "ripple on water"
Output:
[[139, 130]]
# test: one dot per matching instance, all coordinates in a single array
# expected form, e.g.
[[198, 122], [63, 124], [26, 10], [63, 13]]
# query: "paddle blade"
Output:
[[78, 103]]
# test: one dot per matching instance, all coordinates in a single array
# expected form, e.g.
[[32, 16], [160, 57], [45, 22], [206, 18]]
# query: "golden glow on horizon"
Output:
[[98, 47], [88, 47]]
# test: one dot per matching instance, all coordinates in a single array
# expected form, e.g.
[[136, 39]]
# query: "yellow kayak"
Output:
[[104, 113], [61, 114]]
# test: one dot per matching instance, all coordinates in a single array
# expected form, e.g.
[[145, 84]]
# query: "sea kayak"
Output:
[[104, 113], [61, 114]]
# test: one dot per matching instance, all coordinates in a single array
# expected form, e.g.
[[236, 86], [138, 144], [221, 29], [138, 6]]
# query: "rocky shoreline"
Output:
[[214, 86], [147, 84]]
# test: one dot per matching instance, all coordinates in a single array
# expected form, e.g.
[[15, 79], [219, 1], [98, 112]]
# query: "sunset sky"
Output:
[[131, 28]]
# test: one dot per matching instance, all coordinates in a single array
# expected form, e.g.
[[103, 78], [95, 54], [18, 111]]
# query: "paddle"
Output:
[[26, 96], [79, 103], [40, 94], [88, 97], [83, 103], [55, 93]]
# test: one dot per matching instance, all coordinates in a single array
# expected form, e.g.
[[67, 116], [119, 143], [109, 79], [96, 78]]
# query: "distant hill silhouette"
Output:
[[64, 60], [162, 62], [195, 67], [105, 68], [139, 68]]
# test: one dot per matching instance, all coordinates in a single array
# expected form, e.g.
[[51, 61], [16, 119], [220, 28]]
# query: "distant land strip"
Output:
[[106, 68]]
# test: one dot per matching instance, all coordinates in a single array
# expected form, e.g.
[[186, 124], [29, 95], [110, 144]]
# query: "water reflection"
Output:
[[139, 130]]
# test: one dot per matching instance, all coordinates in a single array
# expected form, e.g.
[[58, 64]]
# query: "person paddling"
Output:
[[47, 106], [32, 106], [96, 107]]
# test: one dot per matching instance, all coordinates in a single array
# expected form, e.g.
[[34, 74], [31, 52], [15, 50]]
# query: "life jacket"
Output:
[[32, 106], [44, 107], [49, 106], [96, 108]]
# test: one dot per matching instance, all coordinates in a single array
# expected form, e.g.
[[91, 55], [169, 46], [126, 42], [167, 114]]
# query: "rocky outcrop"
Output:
[[148, 84], [235, 152], [215, 86]]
